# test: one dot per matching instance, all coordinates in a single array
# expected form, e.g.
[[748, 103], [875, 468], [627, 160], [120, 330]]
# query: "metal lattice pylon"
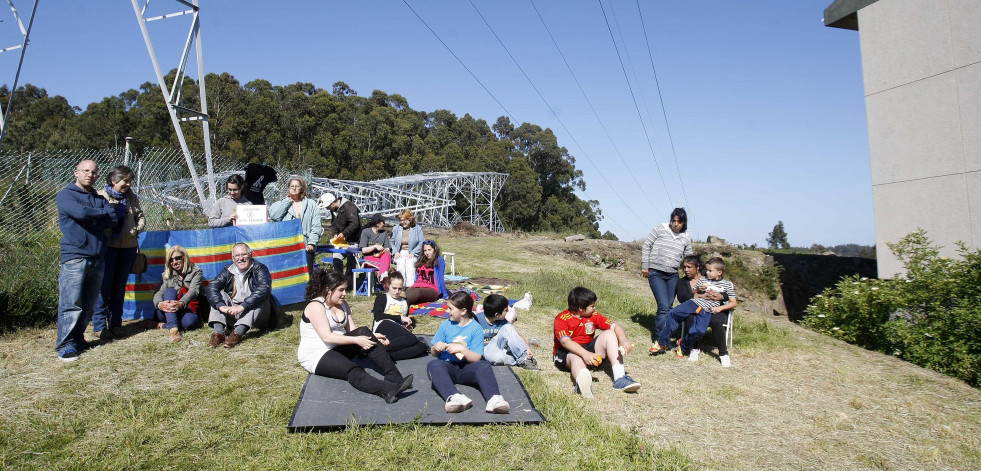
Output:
[[179, 113], [26, 32], [434, 198], [439, 199]]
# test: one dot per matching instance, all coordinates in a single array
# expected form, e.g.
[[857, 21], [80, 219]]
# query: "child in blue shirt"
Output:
[[459, 347], [503, 345]]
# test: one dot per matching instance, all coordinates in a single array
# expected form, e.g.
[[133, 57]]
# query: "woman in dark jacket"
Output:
[[121, 247]]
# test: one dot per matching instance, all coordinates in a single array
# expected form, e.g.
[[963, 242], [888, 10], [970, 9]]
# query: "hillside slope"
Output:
[[792, 400]]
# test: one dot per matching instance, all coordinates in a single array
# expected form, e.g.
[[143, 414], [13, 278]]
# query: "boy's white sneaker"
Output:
[[726, 362], [497, 405], [693, 355], [525, 302], [458, 403], [584, 383]]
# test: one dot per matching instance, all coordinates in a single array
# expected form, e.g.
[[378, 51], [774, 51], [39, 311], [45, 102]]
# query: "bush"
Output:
[[930, 318], [764, 279], [29, 285]]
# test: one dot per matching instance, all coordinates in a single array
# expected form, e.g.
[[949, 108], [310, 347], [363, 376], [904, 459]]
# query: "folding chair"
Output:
[[729, 326]]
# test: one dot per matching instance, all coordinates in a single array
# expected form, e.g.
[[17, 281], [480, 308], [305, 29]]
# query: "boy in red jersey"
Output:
[[577, 347]]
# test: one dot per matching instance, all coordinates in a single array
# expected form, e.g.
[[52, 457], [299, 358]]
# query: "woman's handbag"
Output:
[[139, 263]]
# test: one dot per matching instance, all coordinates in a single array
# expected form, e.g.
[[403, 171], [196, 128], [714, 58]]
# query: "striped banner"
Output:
[[278, 245]]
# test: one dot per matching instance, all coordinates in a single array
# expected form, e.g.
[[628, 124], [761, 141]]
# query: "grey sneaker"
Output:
[[529, 364], [626, 384]]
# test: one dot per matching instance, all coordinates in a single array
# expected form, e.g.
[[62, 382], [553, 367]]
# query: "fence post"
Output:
[[28, 181]]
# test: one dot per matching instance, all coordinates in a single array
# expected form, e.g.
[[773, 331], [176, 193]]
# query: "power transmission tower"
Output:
[[180, 113]]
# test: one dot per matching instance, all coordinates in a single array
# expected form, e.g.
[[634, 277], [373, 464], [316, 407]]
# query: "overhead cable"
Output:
[[502, 105], [460, 61], [634, 98], [663, 111], [571, 136], [590, 103]]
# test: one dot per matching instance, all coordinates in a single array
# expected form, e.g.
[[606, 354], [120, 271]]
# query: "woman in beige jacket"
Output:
[[121, 250]]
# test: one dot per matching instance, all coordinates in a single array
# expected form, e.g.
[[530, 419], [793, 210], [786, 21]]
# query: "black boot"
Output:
[[387, 390]]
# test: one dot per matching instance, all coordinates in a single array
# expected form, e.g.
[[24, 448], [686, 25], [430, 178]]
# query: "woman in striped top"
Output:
[[663, 251]]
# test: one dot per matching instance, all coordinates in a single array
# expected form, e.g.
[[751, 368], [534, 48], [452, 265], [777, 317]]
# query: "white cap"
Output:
[[326, 199]]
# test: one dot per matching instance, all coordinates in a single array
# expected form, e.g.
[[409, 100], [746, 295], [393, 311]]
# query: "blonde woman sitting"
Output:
[[177, 298]]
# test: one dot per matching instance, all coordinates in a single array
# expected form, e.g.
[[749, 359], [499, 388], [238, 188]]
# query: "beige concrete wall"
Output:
[[921, 62]]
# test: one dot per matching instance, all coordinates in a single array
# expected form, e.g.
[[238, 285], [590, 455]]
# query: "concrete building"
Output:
[[921, 62]]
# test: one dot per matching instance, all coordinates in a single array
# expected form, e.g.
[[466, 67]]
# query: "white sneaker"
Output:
[[525, 302], [458, 403], [726, 362], [585, 384], [693, 355], [497, 405]]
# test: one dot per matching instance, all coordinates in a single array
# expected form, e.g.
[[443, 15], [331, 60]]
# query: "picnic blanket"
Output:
[[331, 404], [438, 309], [435, 309]]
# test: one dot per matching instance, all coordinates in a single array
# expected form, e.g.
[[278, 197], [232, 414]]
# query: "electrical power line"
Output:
[[502, 105], [663, 111], [590, 103], [547, 104], [459, 60], [634, 98]]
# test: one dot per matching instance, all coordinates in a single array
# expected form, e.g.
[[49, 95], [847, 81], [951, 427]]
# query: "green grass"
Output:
[[792, 400], [144, 403]]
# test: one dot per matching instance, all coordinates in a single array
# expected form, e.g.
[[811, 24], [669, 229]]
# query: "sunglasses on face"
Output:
[[177, 257]]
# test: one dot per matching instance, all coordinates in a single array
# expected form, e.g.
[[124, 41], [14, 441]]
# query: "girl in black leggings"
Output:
[[392, 320], [329, 341]]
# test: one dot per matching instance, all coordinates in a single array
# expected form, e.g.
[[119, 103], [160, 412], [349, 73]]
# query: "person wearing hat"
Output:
[[374, 246], [346, 221], [297, 206]]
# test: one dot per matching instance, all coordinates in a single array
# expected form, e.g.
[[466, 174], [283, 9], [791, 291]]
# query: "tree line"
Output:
[[337, 133]]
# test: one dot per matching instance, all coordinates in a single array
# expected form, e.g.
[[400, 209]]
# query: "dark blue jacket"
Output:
[[260, 286], [83, 217]]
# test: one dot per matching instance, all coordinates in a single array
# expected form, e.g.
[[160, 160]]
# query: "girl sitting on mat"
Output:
[[459, 348], [329, 341], [430, 284], [392, 320]]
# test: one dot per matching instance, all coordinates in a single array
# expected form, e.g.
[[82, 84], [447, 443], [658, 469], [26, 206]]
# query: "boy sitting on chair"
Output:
[[503, 345], [705, 310], [577, 347]]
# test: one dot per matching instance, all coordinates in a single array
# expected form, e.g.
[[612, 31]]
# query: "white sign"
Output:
[[249, 214]]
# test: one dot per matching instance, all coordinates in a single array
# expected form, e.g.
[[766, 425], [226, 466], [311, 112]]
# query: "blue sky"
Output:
[[765, 104]]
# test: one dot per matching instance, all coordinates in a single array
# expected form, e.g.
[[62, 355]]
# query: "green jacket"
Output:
[[313, 229], [192, 280]]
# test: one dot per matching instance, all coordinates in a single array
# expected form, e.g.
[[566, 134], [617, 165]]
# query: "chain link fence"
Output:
[[29, 232]]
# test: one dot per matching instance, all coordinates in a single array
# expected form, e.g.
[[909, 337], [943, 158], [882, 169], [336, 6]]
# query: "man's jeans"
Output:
[[663, 285], [79, 282], [506, 348], [109, 309]]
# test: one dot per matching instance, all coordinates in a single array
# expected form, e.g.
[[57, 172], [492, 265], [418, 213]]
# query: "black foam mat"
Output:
[[329, 404]]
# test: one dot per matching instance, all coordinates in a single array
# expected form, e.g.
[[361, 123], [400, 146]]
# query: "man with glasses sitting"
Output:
[[238, 296]]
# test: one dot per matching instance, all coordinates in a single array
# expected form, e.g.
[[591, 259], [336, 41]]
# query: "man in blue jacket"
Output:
[[83, 216]]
